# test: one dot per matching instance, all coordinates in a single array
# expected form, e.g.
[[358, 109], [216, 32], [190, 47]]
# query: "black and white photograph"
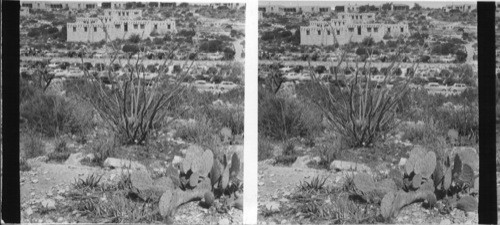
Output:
[[368, 112], [131, 112]]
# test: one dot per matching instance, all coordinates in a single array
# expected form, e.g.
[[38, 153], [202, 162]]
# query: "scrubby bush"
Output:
[[199, 131], [23, 165], [281, 118], [53, 115], [34, 146], [60, 153], [266, 149]]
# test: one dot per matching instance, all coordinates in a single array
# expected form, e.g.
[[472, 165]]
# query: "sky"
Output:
[[430, 4]]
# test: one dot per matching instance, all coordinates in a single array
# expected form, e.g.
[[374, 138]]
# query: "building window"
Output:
[[135, 26], [142, 26], [307, 32], [74, 29], [168, 26], [369, 29], [127, 13], [95, 29], [328, 32], [375, 29], [156, 26], [85, 29], [338, 32], [117, 26], [351, 29], [402, 29], [136, 13], [319, 32]]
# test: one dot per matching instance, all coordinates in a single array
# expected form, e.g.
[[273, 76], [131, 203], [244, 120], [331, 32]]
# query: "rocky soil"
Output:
[[45, 191], [277, 183]]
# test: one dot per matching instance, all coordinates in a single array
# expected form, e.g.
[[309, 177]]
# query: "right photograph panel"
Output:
[[368, 112]]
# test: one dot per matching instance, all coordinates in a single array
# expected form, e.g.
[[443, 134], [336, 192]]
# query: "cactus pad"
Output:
[[364, 183], [235, 166], [386, 205], [425, 165], [447, 179], [193, 179], [225, 178], [416, 154], [416, 181], [467, 174], [141, 180], [467, 203]]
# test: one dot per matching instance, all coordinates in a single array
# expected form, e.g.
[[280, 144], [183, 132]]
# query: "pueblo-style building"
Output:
[[349, 27], [118, 24]]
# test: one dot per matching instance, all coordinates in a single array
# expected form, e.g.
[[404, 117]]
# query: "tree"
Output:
[[461, 56], [184, 4], [368, 41], [416, 7], [131, 49], [387, 6], [134, 38]]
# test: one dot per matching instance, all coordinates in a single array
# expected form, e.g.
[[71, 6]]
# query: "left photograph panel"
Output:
[[131, 112]]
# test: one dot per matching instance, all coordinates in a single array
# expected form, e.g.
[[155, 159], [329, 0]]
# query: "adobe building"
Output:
[[280, 9], [118, 24], [55, 5], [349, 27], [464, 7]]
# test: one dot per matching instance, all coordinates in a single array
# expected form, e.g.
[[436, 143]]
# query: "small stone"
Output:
[[177, 160], [445, 222], [272, 206], [28, 211], [34, 181], [32, 193], [49, 204], [402, 162], [261, 183], [60, 219], [60, 198], [224, 221], [272, 223]]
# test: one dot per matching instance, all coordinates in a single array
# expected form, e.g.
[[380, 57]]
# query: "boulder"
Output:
[[49, 204], [115, 163], [302, 161], [177, 160], [346, 166], [74, 159], [402, 162]]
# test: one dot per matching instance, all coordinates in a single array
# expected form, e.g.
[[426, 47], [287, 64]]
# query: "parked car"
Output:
[[227, 85], [458, 87], [434, 86]]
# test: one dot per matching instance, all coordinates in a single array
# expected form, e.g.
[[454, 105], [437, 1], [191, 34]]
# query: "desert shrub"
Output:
[[266, 149], [421, 133], [52, 114], [199, 131], [101, 149], [34, 146], [283, 118], [23, 165], [231, 118], [60, 153]]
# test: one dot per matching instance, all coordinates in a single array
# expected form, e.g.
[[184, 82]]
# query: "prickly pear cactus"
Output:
[[425, 166], [216, 172], [467, 204], [416, 181], [386, 205], [141, 180], [364, 183], [467, 175], [416, 154], [209, 198], [235, 166]]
